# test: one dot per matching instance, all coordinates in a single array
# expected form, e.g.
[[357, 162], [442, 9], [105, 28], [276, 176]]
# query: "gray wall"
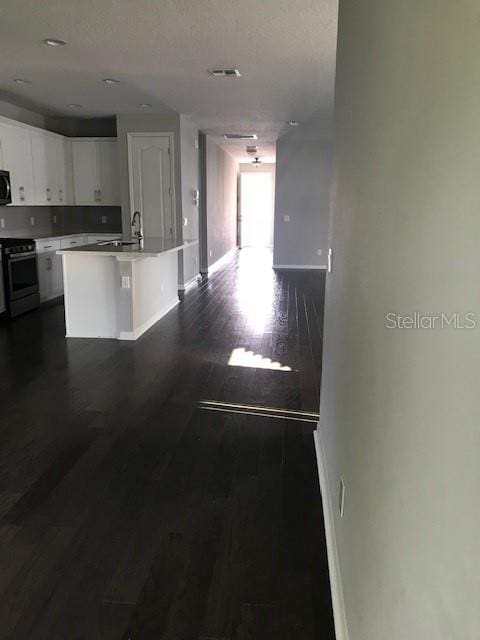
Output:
[[221, 201], [302, 191], [188, 258], [168, 122], [400, 413]]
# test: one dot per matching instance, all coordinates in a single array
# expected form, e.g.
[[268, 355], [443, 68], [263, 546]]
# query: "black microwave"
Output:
[[5, 188]]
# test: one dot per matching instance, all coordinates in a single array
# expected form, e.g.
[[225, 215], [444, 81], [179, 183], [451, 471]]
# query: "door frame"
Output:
[[131, 135]]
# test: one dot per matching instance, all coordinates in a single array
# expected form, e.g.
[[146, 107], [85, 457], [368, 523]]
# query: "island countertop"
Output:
[[150, 248]]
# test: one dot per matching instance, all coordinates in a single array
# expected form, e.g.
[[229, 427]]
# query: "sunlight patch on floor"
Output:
[[240, 357]]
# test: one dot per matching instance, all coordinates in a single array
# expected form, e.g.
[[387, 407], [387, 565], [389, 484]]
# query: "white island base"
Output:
[[117, 294]]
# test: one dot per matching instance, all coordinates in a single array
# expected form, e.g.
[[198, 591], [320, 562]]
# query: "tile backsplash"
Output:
[[92, 219], [42, 220]]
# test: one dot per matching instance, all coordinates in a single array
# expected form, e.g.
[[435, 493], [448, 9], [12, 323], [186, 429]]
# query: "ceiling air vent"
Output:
[[240, 136], [252, 149], [225, 73]]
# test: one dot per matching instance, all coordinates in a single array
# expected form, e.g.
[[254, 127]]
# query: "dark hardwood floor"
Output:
[[152, 490]]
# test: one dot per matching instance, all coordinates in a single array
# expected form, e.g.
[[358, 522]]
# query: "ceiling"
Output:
[[161, 51]]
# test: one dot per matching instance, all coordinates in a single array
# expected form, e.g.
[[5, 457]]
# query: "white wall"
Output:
[[400, 409]]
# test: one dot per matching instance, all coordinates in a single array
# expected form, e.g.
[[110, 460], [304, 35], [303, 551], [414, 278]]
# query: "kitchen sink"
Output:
[[117, 243]]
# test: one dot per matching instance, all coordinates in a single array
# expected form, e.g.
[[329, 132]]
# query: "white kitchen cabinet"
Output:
[[72, 241], [95, 171], [50, 275], [45, 168], [61, 195], [16, 157]]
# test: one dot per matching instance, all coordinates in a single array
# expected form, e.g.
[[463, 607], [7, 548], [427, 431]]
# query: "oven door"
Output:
[[22, 275]]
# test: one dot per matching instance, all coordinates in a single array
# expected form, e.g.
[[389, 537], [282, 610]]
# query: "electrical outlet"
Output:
[[54, 219], [210, 253], [341, 497], [2, 223], [32, 220], [104, 219], [319, 252], [196, 259], [185, 222], [286, 218]]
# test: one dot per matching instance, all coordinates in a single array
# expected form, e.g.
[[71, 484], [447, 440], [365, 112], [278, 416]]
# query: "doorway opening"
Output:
[[256, 209]]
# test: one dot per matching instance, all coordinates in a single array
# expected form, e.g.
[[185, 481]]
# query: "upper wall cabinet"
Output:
[[49, 169], [48, 189], [95, 171], [16, 157]]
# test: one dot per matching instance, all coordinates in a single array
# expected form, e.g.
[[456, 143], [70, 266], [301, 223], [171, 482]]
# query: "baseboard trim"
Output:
[[338, 602], [300, 266], [184, 287], [134, 335], [223, 260]]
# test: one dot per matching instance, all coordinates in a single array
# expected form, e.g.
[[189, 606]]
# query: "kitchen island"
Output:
[[119, 289]]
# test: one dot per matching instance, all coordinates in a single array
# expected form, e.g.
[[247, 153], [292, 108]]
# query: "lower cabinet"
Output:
[[50, 275], [50, 268]]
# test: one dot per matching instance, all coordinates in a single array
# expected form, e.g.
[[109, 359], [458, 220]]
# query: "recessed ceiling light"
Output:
[[22, 81], [111, 81], [54, 42], [145, 105], [74, 105], [294, 123]]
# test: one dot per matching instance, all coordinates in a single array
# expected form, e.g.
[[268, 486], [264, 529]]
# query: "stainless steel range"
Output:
[[20, 275]]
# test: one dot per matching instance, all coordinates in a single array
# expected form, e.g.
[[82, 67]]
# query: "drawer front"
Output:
[[75, 241], [44, 246]]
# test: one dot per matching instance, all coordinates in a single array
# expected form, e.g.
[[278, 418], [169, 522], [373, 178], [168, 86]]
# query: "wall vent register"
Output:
[[225, 73]]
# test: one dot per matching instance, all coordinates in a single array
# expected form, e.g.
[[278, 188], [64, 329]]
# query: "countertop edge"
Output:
[[124, 255]]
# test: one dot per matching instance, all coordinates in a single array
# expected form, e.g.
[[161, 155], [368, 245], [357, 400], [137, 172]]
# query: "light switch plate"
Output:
[[32, 220], [2, 223], [185, 222], [104, 219], [125, 282], [319, 252], [286, 218]]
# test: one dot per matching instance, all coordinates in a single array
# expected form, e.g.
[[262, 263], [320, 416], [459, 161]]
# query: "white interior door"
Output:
[[151, 183], [256, 197]]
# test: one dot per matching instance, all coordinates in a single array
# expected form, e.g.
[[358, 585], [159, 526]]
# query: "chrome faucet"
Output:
[[138, 232]]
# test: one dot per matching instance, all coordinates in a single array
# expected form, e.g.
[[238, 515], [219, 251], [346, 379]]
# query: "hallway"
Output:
[[168, 488]]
